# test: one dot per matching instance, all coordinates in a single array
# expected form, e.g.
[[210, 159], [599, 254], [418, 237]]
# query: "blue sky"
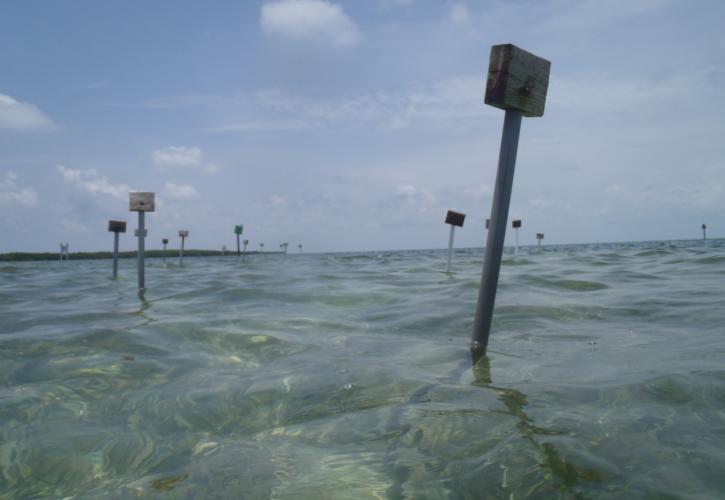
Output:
[[354, 125]]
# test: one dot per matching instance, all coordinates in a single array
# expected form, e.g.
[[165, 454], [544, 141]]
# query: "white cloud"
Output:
[[309, 20], [91, 181], [453, 104], [459, 13], [181, 192], [278, 201], [13, 196], [178, 156], [23, 117], [419, 199]]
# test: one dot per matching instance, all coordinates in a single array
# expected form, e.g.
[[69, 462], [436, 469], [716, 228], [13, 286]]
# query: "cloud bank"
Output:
[[316, 21]]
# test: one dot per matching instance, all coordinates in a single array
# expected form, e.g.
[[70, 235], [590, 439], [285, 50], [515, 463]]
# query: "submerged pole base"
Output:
[[478, 351]]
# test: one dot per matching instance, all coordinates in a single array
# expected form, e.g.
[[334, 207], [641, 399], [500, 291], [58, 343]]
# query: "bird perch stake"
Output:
[[238, 229], [517, 83], [141, 203], [116, 226], [164, 242], [183, 234], [454, 219], [516, 224]]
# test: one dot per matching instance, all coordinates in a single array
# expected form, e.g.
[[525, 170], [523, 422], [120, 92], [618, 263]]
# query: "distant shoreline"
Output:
[[39, 256]]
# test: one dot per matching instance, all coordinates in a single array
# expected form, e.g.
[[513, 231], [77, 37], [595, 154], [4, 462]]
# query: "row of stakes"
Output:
[[145, 202], [517, 83], [455, 219]]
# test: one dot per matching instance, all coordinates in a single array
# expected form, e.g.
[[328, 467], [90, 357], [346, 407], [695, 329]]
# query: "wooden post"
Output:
[[539, 236], [454, 219], [164, 242], [238, 229], [704, 232], [141, 203], [116, 226], [244, 255], [517, 83], [516, 224], [183, 234]]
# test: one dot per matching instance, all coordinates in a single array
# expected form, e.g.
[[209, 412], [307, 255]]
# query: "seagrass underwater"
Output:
[[348, 375]]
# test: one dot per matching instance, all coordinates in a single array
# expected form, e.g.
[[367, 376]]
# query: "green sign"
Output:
[[238, 229]]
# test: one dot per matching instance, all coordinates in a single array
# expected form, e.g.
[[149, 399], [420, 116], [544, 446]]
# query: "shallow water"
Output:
[[348, 376]]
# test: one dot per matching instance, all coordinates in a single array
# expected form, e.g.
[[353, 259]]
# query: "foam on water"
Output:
[[348, 376]]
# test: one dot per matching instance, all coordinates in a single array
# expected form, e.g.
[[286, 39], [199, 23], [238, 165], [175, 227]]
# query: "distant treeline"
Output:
[[26, 256]]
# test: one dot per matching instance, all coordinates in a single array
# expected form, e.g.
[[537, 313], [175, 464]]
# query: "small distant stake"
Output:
[[539, 236], [183, 234], [141, 203], [164, 242], [517, 83], [238, 230], [244, 255], [261, 248], [224, 250], [704, 232], [516, 224], [116, 226], [454, 219], [64, 252], [300, 247]]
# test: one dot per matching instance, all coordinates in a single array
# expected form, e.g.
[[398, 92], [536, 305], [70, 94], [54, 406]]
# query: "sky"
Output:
[[354, 125]]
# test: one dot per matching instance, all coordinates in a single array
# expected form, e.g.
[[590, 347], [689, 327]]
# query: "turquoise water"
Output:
[[348, 376]]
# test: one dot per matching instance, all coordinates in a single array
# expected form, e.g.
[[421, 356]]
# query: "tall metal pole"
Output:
[[239, 251], [450, 248], [497, 229], [516, 248], [115, 254], [141, 251]]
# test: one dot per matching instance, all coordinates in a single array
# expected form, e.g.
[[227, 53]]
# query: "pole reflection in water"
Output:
[[566, 475]]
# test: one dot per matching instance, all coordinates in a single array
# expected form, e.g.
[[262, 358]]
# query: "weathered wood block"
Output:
[[117, 226], [539, 236], [517, 79], [516, 223], [246, 242], [238, 229], [141, 202], [165, 241], [455, 218], [183, 233]]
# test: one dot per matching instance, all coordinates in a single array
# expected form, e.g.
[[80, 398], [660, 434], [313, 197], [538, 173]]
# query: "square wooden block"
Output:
[[517, 80], [455, 218], [165, 241], [141, 202], [183, 233], [539, 236], [516, 223], [116, 226]]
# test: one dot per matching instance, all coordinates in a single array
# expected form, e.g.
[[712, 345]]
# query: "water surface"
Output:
[[348, 376]]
